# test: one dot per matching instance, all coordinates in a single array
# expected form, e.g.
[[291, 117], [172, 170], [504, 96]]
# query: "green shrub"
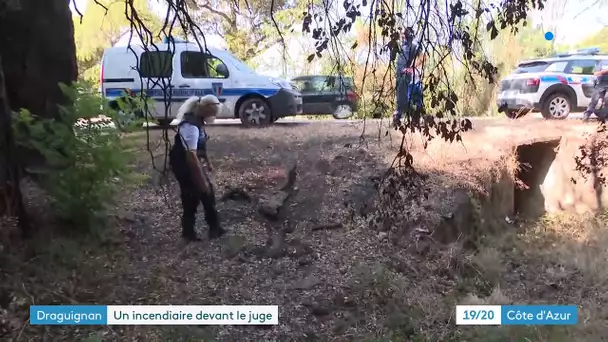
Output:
[[86, 161]]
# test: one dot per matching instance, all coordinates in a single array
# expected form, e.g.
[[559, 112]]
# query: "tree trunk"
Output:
[[11, 201], [37, 45], [38, 52]]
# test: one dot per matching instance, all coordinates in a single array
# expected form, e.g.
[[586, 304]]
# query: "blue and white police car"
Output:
[[553, 86], [171, 72]]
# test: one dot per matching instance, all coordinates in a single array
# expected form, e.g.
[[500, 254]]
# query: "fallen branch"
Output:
[[22, 328], [272, 208], [327, 226], [291, 178]]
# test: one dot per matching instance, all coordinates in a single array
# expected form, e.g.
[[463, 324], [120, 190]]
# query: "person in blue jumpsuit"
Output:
[[409, 85], [185, 157]]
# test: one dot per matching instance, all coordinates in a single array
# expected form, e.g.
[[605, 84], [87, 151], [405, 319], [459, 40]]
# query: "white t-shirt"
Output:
[[189, 136]]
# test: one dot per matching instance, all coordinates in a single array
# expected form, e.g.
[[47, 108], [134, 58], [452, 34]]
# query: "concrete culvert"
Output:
[[534, 160]]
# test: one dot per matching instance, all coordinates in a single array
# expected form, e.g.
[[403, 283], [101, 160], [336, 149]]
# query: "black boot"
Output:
[[188, 232], [212, 217], [396, 120], [587, 116]]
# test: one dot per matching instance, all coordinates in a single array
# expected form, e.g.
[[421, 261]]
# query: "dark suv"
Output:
[[322, 95]]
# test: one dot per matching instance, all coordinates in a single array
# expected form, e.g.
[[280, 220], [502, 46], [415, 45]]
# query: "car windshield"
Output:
[[528, 67], [302, 84], [320, 83], [238, 63]]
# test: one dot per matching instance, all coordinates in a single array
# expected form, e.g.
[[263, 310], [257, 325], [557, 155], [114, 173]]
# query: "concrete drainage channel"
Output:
[[534, 162], [545, 181]]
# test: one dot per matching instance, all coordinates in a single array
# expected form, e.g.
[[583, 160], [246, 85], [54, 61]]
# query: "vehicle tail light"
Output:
[[351, 96], [531, 82]]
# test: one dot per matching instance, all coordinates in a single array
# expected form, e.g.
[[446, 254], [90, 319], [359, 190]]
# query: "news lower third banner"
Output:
[[154, 315], [516, 314]]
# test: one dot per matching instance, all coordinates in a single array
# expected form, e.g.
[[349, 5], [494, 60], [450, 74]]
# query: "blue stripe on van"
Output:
[[550, 78], [185, 93], [182, 99], [569, 79]]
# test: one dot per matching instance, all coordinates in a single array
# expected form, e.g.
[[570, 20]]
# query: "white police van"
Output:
[[553, 86], [184, 69]]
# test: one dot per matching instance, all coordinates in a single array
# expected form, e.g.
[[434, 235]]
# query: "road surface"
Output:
[[300, 120]]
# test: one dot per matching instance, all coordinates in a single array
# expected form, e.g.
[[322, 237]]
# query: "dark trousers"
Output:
[[402, 90], [191, 197], [598, 93], [408, 95]]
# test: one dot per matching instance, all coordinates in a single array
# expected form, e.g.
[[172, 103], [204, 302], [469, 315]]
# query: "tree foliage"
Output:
[[101, 25], [249, 27], [596, 40], [87, 161]]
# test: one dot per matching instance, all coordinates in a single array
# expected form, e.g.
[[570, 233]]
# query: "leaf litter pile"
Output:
[[299, 204]]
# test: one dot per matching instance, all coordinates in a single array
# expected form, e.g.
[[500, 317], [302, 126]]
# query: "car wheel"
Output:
[[255, 112], [556, 107], [343, 112]]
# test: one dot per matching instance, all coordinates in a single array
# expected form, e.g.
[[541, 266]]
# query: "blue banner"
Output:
[[68, 314], [539, 314]]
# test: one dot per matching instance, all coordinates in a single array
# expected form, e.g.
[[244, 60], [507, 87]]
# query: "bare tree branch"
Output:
[[594, 4], [216, 12]]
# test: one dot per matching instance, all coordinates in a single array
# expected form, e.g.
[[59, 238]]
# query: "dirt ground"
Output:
[[339, 278]]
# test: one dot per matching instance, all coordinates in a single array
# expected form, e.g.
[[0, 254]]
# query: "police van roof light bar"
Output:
[[586, 51]]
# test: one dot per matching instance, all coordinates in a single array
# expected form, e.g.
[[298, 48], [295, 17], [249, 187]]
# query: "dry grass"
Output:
[[488, 260], [575, 241], [364, 284], [559, 260]]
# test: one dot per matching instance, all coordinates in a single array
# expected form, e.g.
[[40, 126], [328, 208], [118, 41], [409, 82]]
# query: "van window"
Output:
[[528, 67], [557, 67], [200, 65], [213, 63], [582, 67], [156, 64]]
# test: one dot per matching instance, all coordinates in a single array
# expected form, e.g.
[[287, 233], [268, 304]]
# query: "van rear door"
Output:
[[118, 75], [156, 69]]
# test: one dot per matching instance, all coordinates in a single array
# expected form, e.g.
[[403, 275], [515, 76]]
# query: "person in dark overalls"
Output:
[[600, 88], [407, 82], [190, 145]]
